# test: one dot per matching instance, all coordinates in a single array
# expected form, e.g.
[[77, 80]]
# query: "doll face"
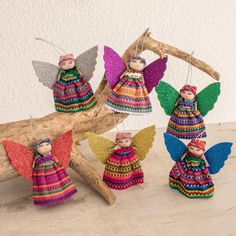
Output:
[[195, 150], [187, 95], [137, 64], [67, 64], [124, 142], [44, 148]]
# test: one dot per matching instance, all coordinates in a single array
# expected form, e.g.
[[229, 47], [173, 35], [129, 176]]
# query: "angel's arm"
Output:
[[55, 159], [33, 164], [79, 71], [177, 102], [182, 158], [123, 75], [195, 105], [204, 158], [59, 76], [116, 147]]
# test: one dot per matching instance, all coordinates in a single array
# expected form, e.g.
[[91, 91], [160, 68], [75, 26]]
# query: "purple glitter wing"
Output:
[[154, 72], [114, 66]]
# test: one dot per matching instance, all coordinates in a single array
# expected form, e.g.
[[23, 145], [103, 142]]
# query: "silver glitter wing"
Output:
[[47, 73], [85, 62]]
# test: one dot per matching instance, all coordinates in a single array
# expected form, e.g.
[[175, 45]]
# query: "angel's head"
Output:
[[123, 139], [137, 63], [197, 147], [188, 92], [43, 146], [67, 61]]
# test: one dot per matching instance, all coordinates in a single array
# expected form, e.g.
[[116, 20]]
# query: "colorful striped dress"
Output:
[[123, 169], [130, 95], [72, 93], [51, 183], [191, 177], [186, 122]]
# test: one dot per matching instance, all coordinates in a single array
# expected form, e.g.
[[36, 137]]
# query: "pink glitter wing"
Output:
[[62, 148], [114, 66], [21, 158], [154, 72]]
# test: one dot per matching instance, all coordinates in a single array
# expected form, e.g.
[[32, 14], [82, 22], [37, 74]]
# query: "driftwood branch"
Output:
[[161, 49], [97, 120]]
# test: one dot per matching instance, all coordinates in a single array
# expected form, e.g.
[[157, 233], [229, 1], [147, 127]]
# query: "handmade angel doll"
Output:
[[130, 84], [45, 166], [187, 108], [123, 158], [70, 81], [191, 174]]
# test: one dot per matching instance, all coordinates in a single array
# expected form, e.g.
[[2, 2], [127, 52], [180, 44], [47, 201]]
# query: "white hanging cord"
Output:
[[31, 127], [52, 44], [189, 74], [144, 39], [200, 134], [136, 47], [113, 113], [123, 125]]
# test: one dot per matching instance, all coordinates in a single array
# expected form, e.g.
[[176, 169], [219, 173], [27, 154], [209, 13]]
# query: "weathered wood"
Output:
[[98, 120], [161, 49]]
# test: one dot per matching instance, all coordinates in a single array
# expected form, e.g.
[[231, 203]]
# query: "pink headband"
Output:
[[120, 136], [198, 144], [66, 57], [189, 88]]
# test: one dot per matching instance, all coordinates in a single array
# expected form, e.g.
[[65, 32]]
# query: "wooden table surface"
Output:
[[149, 209]]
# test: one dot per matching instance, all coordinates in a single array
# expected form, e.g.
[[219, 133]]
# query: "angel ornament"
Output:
[[130, 84], [123, 158], [45, 166], [191, 174], [70, 81], [187, 108]]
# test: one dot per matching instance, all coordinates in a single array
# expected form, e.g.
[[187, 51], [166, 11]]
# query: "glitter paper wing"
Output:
[[21, 158], [47, 73], [167, 96], [86, 62], [62, 148], [154, 72], [217, 155], [143, 141], [207, 98], [175, 147], [114, 66], [102, 147]]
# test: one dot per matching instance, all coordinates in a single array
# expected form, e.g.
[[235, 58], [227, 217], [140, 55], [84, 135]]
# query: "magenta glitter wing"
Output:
[[114, 66], [154, 72]]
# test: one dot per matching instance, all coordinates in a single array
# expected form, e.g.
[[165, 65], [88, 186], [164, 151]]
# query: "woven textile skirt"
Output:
[[186, 122], [73, 95], [129, 96], [51, 183], [192, 181], [123, 169]]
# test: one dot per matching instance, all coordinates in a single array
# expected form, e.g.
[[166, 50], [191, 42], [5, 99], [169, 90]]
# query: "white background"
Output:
[[207, 27]]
